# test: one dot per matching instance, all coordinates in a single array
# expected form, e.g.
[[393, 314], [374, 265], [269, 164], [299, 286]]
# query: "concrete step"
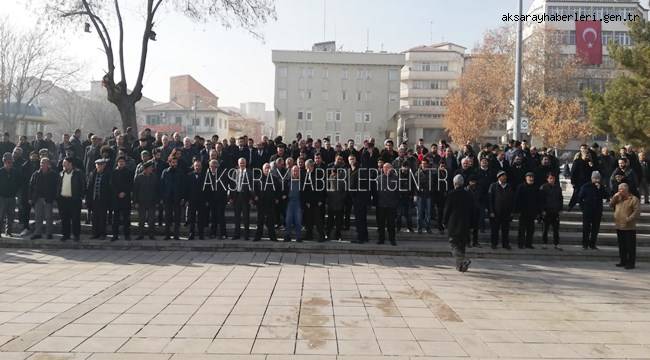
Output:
[[403, 248]]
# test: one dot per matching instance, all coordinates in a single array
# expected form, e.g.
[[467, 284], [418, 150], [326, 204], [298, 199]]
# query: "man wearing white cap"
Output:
[[591, 198], [457, 220]]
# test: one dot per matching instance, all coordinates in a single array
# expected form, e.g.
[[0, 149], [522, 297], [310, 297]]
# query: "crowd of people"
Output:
[[313, 188]]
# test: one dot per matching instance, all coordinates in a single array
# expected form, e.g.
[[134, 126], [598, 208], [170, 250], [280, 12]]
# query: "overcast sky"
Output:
[[237, 67]]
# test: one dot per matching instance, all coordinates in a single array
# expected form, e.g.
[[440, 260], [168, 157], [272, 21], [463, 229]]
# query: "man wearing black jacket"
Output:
[[267, 197], [241, 195], [315, 195], [500, 203], [122, 186], [527, 205], [360, 193], [196, 201], [387, 197], [590, 197], [457, 219], [216, 191], [9, 185], [99, 196], [42, 192], [70, 192], [146, 195], [551, 204], [172, 194]]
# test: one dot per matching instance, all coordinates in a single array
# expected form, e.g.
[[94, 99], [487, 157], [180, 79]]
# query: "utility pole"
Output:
[[517, 114]]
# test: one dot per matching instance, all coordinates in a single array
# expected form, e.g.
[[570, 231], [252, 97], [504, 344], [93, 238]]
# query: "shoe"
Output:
[[191, 237], [246, 238], [558, 248], [234, 238], [629, 267], [176, 237], [49, 237], [102, 237], [35, 237], [256, 239], [167, 237], [508, 247], [152, 237], [620, 265], [476, 245], [127, 238], [530, 247], [76, 239], [381, 242], [140, 237], [595, 247], [429, 231], [299, 240], [585, 247], [419, 231], [115, 238], [520, 246], [286, 239], [393, 243], [24, 233], [64, 239], [464, 266], [494, 247], [201, 237]]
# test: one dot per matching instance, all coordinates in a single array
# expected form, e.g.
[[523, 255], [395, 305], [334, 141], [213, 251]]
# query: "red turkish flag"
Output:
[[589, 42]]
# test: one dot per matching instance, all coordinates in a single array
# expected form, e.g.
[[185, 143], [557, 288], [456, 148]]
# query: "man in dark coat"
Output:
[[122, 185], [173, 196], [6, 146], [336, 195], [70, 193], [590, 198], [241, 190], [146, 196], [196, 201], [580, 171], [551, 201], [500, 203], [527, 205], [99, 195], [267, 197], [10, 180], [457, 220], [314, 198], [387, 197], [216, 191], [360, 194]]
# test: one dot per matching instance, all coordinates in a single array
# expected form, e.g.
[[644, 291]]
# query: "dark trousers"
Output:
[[439, 199], [590, 228], [242, 209], [627, 246], [172, 215], [70, 212], [526, 230], [24, 210], [334, 221], [500, 223], [196, 217], [476, 219], [265, 217], [551, 220], [574, 196], [347, 211], [7, 211], [405, 205], [458, 245], [386, 222], [99, 219], [313, 218], [217, 216], [147, 213], [122, 216], [361, 219]]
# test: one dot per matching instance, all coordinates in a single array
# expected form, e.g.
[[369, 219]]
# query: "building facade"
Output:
[[192, 110], [594, 77], [340, 95], [426, 79]]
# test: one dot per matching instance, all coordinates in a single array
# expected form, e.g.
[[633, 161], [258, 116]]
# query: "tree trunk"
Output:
[[128, 115]]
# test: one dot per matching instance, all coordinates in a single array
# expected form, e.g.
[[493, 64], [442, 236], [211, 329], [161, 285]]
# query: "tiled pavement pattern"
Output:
[[136, 305]]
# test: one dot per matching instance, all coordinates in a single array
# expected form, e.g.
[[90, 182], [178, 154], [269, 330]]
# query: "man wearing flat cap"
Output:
[[591, 198], [500, 203]]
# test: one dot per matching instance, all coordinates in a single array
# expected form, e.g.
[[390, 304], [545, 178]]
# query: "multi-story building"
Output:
[[192, 109], [618, 12], [257, 110], [341, 95], [428, 76]]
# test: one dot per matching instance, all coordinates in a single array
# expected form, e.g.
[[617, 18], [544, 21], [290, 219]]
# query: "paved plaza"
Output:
[[101, 305]]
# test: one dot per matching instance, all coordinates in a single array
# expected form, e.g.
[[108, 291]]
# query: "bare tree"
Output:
[[30, 66], [100, 14]]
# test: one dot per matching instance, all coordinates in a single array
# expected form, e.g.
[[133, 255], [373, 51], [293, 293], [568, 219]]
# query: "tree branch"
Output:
[[137, 89], [121, 44]]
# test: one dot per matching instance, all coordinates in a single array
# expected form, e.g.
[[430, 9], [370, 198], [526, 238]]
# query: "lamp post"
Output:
[[517, 113]]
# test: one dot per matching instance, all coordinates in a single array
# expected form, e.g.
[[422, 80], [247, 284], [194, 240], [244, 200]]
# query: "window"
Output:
[[282, 71], [345, 74], [393, 97], [358, 138], [326, 73], [333, 121], [363, 74], [359, 96], [301, 115], [325, 95], [208, 122], [308, 93], [282, 94], [153, 119], [436, 101], [367, 117], [344, 95], [430, 84], [307, 72], [337, 116], [393, 75], [433, 66], [308, 115], [196, 122], [221, 124], [179, 120]]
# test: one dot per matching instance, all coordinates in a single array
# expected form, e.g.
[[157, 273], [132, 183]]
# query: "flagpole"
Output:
[[517, 114]]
